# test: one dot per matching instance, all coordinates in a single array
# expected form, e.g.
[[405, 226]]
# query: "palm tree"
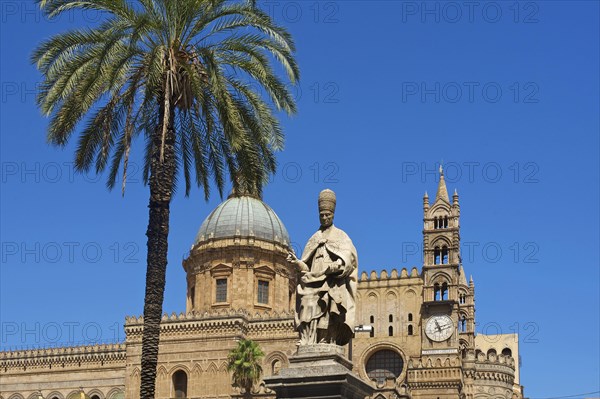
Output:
[[181, 74], [244, 361]]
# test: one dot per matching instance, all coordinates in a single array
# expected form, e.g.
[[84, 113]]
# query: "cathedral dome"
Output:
[[243, 216]]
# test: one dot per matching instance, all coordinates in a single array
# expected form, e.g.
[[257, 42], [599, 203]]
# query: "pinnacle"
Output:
[[442, 191]]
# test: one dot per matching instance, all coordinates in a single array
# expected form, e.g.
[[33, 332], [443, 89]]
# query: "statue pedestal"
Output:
[[316, 372]]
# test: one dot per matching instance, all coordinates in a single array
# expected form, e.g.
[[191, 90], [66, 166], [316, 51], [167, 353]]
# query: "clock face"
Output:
[[439, 328]]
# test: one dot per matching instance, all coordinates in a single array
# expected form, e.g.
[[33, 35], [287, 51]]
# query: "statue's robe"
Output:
[[327, 293]]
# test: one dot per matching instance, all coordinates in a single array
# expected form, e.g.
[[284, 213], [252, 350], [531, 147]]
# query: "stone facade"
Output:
[[415, 339]]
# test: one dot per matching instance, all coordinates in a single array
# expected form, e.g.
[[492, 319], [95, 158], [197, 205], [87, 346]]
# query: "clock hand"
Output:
[[438, 325]]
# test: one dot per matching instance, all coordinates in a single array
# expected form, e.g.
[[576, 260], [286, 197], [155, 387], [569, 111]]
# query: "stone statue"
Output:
[[327, 285]]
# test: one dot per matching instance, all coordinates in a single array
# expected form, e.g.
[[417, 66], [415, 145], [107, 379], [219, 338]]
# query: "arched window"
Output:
[[372, 319], [445, 255], [436, 255], [391, 331], [410, 329], [462, 298], [275, 367], [463, 325], [435, 222], [95, 397], [436, 292], [491, 354], [391, 318], [410, 317], [384, 364], [444, 293], [180, 381], [445, 221], [507, 352]]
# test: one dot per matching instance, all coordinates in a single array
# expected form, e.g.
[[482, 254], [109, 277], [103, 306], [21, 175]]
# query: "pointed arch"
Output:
[[372, 295], [116, 393], [441, 277], [275, 360], [135, 373], [439, 208], [441, 241], [161, 371], [74, 395], [55, 394], [95, 392], [179, 367], [212, 368], [391, 295], [223, 367], [197, 370]]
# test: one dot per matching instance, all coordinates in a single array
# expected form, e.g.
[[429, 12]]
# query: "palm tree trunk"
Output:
[[162, 176]]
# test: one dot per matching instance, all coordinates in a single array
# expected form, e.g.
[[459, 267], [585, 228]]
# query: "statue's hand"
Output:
[[292, 258]]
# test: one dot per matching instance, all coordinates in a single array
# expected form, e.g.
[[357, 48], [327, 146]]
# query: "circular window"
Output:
[[383, 365]]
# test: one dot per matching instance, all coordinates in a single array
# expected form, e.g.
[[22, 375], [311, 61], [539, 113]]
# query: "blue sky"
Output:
[[506, 94]]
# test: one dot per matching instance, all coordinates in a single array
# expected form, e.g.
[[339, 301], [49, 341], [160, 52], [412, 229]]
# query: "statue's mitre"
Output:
[[327, 200]]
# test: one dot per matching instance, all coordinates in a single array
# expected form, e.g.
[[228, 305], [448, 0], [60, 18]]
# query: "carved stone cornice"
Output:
[[414, 385], [63, 356], [216, 324]]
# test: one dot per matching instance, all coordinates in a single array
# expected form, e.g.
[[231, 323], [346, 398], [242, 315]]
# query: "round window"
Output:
[[384, 364]]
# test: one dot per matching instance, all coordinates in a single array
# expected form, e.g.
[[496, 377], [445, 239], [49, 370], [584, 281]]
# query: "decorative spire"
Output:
[[463, 277], [442, 191], [471, 281], [455, 197]]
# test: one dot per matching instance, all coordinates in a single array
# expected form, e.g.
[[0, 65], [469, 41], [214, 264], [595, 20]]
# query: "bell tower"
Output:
[[446, 291]]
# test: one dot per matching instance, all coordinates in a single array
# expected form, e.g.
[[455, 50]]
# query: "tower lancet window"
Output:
[[436, 292], [444, 292], [436, 255], [444, 255], [410, 330], [445, 222], [463, 324]]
